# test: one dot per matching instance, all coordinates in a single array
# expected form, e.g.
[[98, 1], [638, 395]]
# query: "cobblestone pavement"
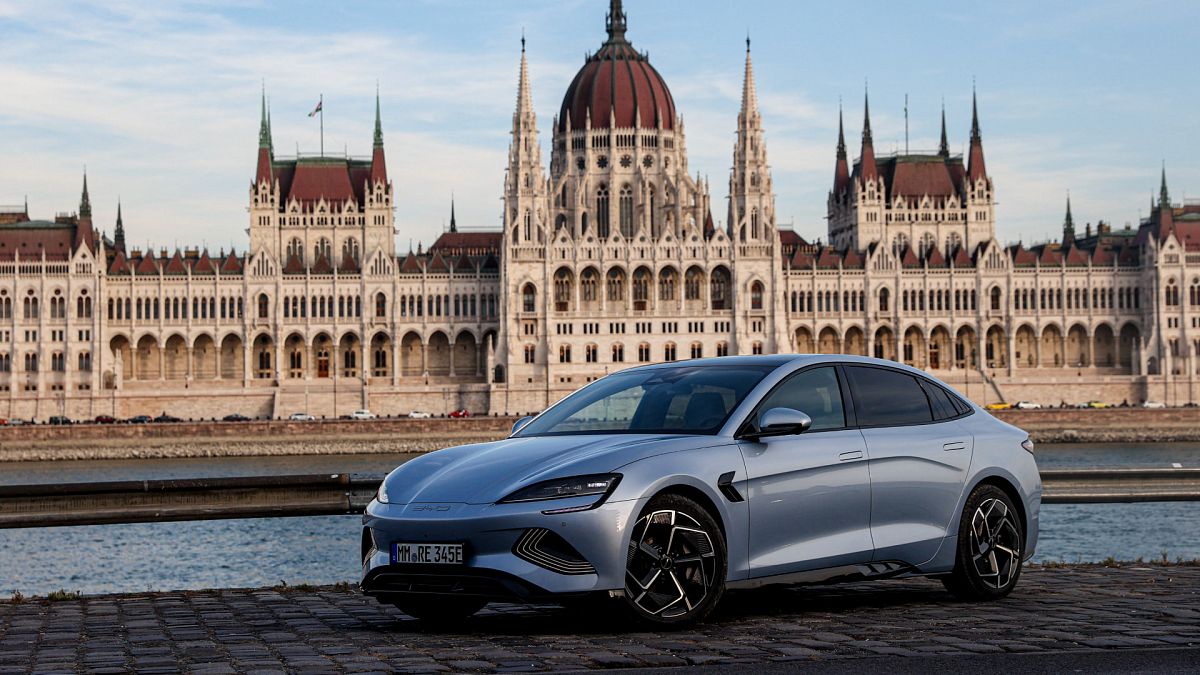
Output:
[[332, 630]]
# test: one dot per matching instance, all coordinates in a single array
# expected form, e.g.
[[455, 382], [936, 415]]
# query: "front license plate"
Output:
[[428, 554]]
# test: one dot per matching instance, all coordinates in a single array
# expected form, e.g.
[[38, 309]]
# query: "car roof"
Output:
[[779, 360]]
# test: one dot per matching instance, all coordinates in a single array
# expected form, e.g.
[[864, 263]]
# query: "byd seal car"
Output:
[[664, 486]]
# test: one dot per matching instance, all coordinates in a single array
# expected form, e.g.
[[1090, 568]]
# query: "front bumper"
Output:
[[488, 533]]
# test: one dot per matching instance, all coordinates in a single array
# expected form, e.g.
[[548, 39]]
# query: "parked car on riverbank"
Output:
[[301, 417], [659, 487], [1154, 404], [105, 419], [363, 415], [139, 419], [60, 420], [1027, 405], [166, 419], [1098, 404], [460, 413], [235, 417], [998, 406], [420, 415]]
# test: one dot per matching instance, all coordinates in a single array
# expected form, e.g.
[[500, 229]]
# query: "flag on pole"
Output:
[[316, 109]]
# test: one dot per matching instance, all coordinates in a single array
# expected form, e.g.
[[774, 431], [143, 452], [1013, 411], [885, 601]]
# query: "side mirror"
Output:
[[782, 422], [520, 424]]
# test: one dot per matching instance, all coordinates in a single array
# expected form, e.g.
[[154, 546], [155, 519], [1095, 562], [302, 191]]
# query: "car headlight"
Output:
[[381, 495], [561, 488]]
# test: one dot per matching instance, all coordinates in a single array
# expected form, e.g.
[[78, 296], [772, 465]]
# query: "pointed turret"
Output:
[[841, 170], [1164, 197], [524, 110], [263, 172], [749, 93], [866, 161], [453, 224], [1068, 225], [84, 234], [378, 161], [944, 146], [975, 167], [119, 233]]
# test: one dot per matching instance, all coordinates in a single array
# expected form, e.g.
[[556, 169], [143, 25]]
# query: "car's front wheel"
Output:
[[675, 567], [990, 535], [439, 609]]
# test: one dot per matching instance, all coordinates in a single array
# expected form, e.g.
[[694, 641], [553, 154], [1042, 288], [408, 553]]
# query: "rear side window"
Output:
[[814, 392], [943, 409], [888, 397]]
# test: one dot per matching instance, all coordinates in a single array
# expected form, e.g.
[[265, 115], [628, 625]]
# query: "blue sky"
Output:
[[160, 100]]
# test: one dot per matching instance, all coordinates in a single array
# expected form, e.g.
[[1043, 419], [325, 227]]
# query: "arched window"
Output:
[[692, 283], [380, 305], [719, 288], [527, 225], [754, 232], [264, 306], [562, 290], [884, 299], [321, 250], [668, 279], [626, 211], [295, 248], [616, 285], [641, 288], [602, 221], [756, 295], [650, 211], [995, 293], [350, 248], [529, 298], [587, 285]]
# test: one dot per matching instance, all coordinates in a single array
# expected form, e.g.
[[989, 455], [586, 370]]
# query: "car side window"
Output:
[[814, 392], [888, 397], [943, 409]]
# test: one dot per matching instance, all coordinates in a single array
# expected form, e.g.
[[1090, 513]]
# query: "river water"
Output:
[[322, 550]]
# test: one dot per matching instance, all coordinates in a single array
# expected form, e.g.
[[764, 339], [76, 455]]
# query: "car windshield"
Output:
[[678, 400]]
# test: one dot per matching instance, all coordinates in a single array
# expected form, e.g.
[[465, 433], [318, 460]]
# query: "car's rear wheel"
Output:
[[990, 535], [675, 566], [439, 609]]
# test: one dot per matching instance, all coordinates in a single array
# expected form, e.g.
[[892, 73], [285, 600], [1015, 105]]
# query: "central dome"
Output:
[[617, 83]]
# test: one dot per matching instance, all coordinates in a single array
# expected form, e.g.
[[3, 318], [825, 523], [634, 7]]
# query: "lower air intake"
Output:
[[546, 549]]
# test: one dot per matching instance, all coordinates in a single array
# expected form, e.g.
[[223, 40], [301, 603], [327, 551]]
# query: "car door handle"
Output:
[[955, 445], [847, 456]]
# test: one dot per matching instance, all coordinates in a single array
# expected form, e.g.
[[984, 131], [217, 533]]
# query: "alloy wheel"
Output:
[[672, 564], [995, 543]]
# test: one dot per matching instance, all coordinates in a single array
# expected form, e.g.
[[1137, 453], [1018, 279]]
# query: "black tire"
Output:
[[991, 539], [681, 585], [439, 608]]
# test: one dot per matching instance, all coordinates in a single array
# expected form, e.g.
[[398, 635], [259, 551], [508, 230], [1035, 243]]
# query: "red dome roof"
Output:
[[617, 82]]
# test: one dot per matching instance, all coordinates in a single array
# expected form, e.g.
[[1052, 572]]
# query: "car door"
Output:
[[809, 494], [919, 457]]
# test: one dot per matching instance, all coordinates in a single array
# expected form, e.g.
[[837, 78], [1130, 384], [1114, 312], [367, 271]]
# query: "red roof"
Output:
[[119, 264], [1050, 256], [852, 259], [204, 265], [620, 83], [175, 266], [31, 239], [961, 259], [322, 180], [1103, 255], [475, 243], [790, 238], [934, 258], [1022, 257], [293, 265], [410, 266], [322, 265], [147, 265], [802, 259], [1076, 257], [232, 264], [349, 264], [438, 264], [909, 259], [828, 258], [464, 265]]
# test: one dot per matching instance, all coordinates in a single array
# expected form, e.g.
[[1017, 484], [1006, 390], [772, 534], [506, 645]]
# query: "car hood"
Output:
[[487, 472]]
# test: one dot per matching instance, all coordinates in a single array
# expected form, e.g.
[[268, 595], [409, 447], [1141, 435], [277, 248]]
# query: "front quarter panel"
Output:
[[694, 470]]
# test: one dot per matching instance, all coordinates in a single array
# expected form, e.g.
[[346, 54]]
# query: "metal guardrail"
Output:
[[337, 494]]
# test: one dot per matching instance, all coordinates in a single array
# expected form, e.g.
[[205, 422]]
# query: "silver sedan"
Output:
[[663, 486]]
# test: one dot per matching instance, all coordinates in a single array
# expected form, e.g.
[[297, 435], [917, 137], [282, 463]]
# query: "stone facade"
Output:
[[608, 257]]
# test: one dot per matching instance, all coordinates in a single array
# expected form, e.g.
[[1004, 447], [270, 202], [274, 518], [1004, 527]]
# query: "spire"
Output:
[[378, 123], [841, 170], [264, 126], [119, 233], [615, 22], [1164, 197], [944, 146], [975, 167], [453, 224], [1068, 224], [85, 204], [749, 93], [524, 95], [867, 168]]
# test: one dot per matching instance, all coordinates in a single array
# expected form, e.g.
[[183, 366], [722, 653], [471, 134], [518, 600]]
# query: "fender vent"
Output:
[[546, 549]]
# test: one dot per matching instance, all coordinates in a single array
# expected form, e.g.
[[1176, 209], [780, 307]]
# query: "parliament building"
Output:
[[609, 257]]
